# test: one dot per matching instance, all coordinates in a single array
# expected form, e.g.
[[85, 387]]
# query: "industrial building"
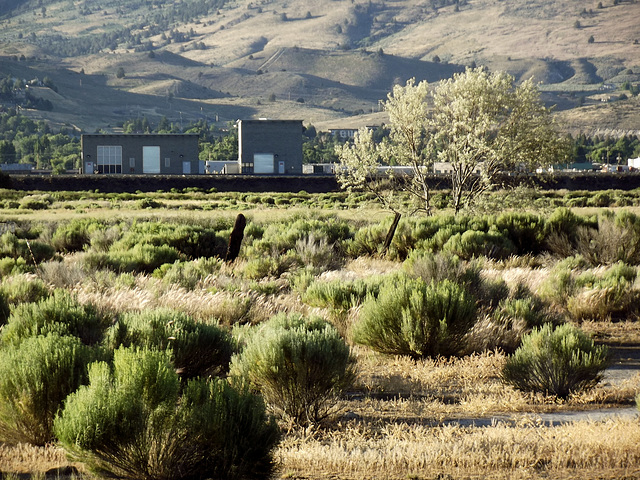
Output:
[[270, 147], [166, 154]]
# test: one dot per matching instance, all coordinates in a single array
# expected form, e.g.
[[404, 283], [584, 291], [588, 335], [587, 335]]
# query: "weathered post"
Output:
[[235, 239], [391, 233]]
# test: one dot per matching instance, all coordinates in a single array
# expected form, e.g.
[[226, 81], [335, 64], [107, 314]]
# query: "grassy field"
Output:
[[403, 418]]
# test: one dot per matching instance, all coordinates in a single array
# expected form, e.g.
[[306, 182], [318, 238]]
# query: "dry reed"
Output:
[[23, 458], [392, 450]]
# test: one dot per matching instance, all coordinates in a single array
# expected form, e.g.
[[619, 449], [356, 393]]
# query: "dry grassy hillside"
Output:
[[322, 60]]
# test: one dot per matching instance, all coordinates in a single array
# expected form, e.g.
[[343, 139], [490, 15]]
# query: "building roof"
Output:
[[268, 120], [147, 135]]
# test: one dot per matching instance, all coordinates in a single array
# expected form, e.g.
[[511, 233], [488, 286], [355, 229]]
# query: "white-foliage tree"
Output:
[[483, 126], [408, 140], [359, 162], [406, 146], [480, 124], [358, 170]]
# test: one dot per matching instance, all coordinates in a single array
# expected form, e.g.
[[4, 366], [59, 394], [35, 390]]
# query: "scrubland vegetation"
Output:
[[129, 347]]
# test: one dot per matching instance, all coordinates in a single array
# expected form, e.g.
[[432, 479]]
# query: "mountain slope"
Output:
[[318, 60]]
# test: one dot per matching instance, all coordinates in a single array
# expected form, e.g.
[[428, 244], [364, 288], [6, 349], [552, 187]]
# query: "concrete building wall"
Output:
[[270, 147], [172, 154]]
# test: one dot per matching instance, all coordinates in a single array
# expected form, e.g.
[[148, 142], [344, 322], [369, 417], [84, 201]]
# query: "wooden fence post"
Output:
[[235, 239], [391, 233]]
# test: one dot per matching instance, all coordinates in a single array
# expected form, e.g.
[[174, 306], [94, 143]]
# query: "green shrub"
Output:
[[503, 326], [187, 274], [411, 317], [556, 360], [35, 378], [526, 310], [525, 230], [136, 422], [300, 365], [616, 238], [36, 202], [254, 230], [473, 243], [148, 203], [435, 267], [601, 199], [23, 289], [279, 238], [141, 258], [273, 266], [442, 231], [316, 251], [74, 236], [561, 231], [32, 251], [189, 240], [619, 274], [370, 240], [577, 202], [340, 295], [198, 349], [302, 279], [408, 237], [102, 239], [586, 296], [564, 221], [59, 313], [560, 284], [13, 266], [37, 252]]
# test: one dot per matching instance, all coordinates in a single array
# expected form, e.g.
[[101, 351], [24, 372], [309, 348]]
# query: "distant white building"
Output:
[[447, 168], [634, 163]]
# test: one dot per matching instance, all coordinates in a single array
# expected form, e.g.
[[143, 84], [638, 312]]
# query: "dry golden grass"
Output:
[[24, 458], [374, 450], [424, 428], [205, 302], [470, 386], [532, 278], [627, 332]]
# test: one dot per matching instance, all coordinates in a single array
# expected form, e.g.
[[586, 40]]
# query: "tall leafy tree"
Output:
[[408, 141], [480, 123], [7, 152], [406, 145], [483, 125]]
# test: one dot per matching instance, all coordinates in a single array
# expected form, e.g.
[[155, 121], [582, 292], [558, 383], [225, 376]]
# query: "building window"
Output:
[[167, 162], [109, 159]]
